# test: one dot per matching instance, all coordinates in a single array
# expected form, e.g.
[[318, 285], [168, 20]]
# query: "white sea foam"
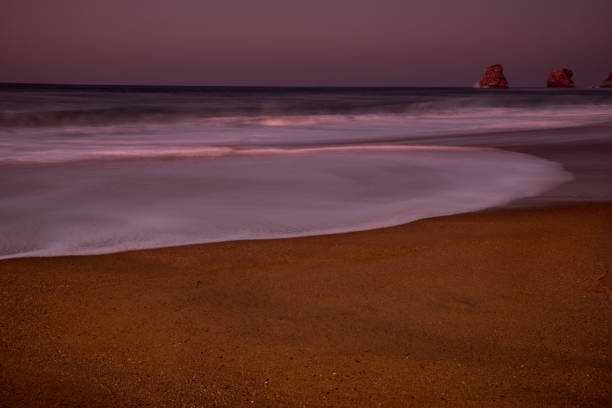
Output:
[[99, 207], [220, 136]]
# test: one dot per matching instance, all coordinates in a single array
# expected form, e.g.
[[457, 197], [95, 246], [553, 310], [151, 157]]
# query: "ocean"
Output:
[[98, 169]]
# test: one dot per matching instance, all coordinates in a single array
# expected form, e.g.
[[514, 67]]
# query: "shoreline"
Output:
[[506, 307]]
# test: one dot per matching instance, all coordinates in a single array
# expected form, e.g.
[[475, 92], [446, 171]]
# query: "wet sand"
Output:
[[501, 308], [588, 161]]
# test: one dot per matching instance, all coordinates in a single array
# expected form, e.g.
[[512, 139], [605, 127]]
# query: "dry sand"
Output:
[[501, 308]]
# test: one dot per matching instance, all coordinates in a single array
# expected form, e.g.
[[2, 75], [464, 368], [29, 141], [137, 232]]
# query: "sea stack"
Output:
[[607, 83], [560, 78], [493, 77]]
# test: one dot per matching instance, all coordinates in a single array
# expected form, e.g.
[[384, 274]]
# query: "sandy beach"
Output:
[[500, 308]]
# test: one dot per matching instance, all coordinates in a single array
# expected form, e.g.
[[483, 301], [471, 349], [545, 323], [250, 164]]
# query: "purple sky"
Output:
[[313, 42]]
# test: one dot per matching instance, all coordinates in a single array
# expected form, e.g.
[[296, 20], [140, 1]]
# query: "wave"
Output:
[[104, 117], [90, 117], [97, 107], [216, 151], [89, 208], [237, 136]]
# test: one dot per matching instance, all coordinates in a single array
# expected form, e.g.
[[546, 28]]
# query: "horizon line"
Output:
[[115, 85]]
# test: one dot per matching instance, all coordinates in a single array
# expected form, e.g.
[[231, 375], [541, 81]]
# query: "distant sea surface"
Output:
[[95, 169]]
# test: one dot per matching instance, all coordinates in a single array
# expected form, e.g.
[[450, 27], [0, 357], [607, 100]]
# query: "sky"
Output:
[[302, 42]]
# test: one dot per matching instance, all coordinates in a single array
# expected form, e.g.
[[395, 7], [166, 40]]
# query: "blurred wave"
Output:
[[40, 105], [54, 123], [91, 207]]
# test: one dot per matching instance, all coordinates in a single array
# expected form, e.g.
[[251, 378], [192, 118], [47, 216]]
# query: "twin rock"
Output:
[[493, 77]]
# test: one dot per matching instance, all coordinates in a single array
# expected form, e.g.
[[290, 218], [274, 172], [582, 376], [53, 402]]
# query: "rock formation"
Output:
[[493, 77], [607, 83], [560, 78]]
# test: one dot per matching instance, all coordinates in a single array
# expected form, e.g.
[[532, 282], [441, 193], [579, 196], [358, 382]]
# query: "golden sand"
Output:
[[500, 308]]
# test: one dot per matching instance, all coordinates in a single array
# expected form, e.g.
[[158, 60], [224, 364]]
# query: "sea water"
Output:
[[92, 169]]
